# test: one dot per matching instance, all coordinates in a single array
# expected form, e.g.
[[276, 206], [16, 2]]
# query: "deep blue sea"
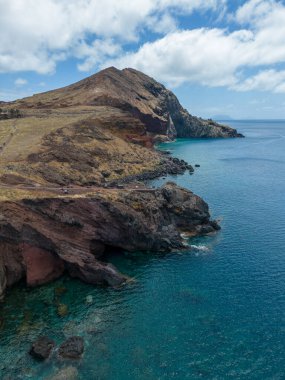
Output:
[[217, 312]]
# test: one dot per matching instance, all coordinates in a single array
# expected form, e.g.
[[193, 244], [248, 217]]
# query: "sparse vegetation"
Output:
[[9, 113], [93, 133], [64, 147]]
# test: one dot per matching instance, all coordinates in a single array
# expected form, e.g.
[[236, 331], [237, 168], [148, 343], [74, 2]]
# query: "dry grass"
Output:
[[6, 128], [18, 194], [94, 136]]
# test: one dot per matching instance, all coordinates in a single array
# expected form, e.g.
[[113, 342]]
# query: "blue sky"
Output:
[[220, 57]]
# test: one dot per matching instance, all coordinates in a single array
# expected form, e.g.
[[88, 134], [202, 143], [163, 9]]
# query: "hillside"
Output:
[[99, 130], [96, 138], [143, 98]]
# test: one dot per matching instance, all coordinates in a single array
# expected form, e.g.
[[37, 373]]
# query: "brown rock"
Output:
[[72, 348], [146, 103], [62, 310], [42, 348], [41, 245], [3, 280], [41, 266]]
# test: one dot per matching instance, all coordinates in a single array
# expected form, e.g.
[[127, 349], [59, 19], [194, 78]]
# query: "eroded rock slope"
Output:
[[40, 239]]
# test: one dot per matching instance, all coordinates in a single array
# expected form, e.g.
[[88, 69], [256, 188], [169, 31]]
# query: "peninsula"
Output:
[[72, 171]]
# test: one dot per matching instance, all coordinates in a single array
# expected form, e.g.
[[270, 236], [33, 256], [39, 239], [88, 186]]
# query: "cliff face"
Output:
[[93, 136], [40, 239], [96, 131], [143, 100]]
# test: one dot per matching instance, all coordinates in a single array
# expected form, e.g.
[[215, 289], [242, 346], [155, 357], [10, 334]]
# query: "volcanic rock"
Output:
[[128, 219], [72, 348], [42, 348], [145, 103], [66, 172]]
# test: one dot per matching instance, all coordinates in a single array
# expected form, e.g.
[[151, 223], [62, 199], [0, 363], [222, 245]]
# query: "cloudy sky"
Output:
[[219, 56]]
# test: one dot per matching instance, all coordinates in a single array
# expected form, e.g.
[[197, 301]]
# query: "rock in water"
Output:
[[89, 300], [67, 373], [42, 348], [62, 310], [72, 348]]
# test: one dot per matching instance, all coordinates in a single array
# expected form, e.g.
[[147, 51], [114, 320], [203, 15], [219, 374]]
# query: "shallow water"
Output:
[[215, 313]]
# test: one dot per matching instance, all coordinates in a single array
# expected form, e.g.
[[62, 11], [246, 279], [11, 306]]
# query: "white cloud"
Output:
[[34, 34], [97, 33], [267, 80], [187, 56], [191, 5], [216, 57], [162, 24], [96, 53], [8, 95], [20, 82], [256, 11]]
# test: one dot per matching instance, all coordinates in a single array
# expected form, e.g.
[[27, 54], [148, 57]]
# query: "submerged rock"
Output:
[[89, 300], [67, 373], [42, 348], [72, 348], [59, 291], [62, 310]]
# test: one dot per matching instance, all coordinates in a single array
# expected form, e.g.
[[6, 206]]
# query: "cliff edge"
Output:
[[42, 238], [72, 165], [140, 96]]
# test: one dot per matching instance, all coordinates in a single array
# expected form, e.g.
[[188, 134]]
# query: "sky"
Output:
[[220, 57]]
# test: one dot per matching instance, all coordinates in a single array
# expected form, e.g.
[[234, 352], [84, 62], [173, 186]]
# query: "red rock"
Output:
[[37, 239], [41, 266]]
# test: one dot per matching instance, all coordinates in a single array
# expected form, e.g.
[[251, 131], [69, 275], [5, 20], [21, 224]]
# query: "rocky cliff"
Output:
[[96, 131], [42, 238], [144, 101], [94, 137]]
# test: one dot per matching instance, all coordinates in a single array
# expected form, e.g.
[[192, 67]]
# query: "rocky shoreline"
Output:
[[77, 189], [41, 239], [100, 135], [168, 166]]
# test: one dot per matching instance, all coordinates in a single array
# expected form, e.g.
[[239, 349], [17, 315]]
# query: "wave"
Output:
[[202, 248]]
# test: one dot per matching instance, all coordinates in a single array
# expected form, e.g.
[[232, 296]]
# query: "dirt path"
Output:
[[9, 139], [74, 190]]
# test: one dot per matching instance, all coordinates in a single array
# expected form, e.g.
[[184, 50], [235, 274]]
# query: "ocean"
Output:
[[214, 312]]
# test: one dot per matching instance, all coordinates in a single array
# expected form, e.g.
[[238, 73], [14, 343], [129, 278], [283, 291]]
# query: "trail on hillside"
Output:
[[4, 146]]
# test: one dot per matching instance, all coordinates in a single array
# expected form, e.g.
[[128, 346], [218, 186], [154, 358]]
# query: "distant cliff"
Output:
[[141, 98]]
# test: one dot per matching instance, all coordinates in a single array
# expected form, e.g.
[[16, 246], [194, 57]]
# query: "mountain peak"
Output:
[[136, 94]]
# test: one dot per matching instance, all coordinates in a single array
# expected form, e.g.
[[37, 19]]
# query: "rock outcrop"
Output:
[[72, 348], [42, 348], [10, 113], [42, 238], [97, 131], [94, 135]]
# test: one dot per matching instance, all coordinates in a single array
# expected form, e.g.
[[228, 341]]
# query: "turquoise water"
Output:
[[212, 314]]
